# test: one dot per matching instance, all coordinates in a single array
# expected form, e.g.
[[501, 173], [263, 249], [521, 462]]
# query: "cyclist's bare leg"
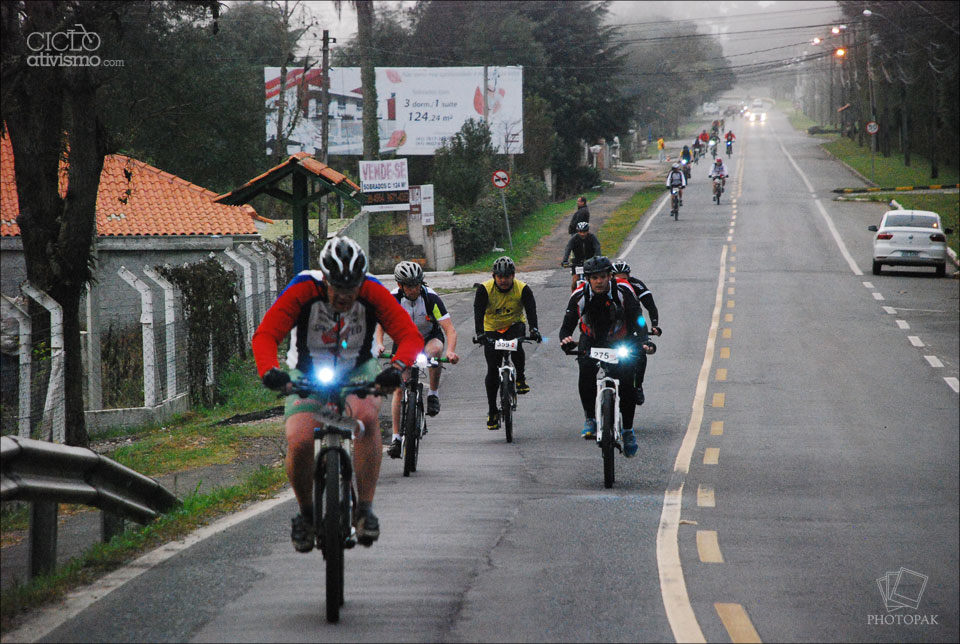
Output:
[[369, 447], [299, 460], [395, 405], [573, 283], [433, 349]]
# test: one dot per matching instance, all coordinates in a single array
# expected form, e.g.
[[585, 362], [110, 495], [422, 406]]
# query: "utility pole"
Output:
[[324, 133]]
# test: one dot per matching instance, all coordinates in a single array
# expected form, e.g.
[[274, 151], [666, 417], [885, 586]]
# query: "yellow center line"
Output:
[[733, 269], [716, 428], [730, 304], [705, 496], [711, 456], [719, 400], [727, 333], [730, 291], [721, 374], [733, 280], [733, 249], [725, 352], [737, 623], [707, 546]]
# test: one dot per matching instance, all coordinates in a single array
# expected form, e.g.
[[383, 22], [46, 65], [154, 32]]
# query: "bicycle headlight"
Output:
[[421, 361], [623, 351], [325, 375]]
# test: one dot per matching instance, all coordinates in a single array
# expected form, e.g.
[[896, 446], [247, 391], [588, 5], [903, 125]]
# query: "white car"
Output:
[[753, 117], [910, 238], [758, 104]]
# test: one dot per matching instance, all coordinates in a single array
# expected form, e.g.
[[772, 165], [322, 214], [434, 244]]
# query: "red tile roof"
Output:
[[158, 203], [299, 160]]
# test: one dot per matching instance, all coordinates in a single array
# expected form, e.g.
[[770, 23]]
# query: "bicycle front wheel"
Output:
[[506, 409], [411, 433], [332, 533], [607, 415]]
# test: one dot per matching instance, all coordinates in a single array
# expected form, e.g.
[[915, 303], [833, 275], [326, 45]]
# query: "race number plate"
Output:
[[605, 355], [579, 270], [506, 345]]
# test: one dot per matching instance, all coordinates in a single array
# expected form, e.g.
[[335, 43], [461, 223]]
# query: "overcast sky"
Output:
[[730, 18]]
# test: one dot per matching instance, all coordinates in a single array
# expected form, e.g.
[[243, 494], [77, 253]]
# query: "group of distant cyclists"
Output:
[[340, 313]]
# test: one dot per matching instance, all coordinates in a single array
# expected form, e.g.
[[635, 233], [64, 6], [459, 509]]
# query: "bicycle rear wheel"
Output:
[[411, 432], [332, 523], [506, 410], [607, 416]]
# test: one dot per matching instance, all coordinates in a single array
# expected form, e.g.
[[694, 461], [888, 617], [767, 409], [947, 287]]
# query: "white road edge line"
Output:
[[633, 241], [823, 211], [954, 384], [934, 361], [76, 602], [673, 588]]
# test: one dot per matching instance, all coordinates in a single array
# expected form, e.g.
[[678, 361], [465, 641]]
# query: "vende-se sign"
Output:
[[386, 185]]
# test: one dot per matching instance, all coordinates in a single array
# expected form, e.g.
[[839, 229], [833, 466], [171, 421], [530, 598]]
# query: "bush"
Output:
[[479, 228], [462, 167]]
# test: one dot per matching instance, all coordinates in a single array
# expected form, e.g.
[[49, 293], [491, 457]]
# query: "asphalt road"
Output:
[[792, 409]]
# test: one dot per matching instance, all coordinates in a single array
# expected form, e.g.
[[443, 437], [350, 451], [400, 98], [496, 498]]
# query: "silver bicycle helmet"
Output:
[[583, 226], [409, 273], [621, 266], [343, 263], [504, 266]]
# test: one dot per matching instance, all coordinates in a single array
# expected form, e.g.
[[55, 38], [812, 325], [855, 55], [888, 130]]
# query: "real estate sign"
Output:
[[418, 108], [385, 184]]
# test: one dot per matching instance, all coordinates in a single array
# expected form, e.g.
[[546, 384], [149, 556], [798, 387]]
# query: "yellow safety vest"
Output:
[[503, 309]]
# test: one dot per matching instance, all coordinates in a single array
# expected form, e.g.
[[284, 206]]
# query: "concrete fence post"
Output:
[[254, 254], [146, 323], [12, 309], [55, 406], [94, 376], [169, 320], [247, 269]]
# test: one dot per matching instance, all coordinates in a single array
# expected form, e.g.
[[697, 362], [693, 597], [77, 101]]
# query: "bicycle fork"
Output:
[[606, 383], [508, 372], [338, 440]]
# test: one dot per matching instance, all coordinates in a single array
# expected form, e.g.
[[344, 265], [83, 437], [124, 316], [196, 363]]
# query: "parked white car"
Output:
[[910, 238]]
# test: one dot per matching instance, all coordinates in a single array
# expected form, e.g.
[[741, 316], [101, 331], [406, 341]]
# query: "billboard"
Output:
[[418, 108]]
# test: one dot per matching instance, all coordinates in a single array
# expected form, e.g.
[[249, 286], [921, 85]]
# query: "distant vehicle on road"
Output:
[[758, 104], [910, 238], [711, 108]]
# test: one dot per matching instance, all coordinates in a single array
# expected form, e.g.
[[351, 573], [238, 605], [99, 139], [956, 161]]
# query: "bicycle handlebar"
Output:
[[387, 355], [524, 339], [572, 349], [305, 386]]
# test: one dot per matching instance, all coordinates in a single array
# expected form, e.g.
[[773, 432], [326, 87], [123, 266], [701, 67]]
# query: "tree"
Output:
[[50, 110]]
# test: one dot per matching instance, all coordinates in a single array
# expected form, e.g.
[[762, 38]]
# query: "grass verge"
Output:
[[528, 234], [197, 510], [890, 171], [618, 225]]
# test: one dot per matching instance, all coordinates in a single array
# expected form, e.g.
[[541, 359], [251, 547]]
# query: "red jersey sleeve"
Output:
[[395, 321], [280, 318]]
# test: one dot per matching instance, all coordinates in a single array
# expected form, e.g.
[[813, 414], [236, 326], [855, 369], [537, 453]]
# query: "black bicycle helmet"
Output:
[[597, 264], [583, 226], [409, 273], [343, 263], [504, 266], [621, 266]]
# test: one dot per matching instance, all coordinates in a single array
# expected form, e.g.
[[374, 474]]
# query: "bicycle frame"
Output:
[[608, 383]]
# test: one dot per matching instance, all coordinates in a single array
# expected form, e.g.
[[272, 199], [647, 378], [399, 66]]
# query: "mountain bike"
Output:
[[675, 202], [413, 422], [334, 491], [607, 406], [577, 270], [729, 148], [717, 189], [507, 396], [713, 148]]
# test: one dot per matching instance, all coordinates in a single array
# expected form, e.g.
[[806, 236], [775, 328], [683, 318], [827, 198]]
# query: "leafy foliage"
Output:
[[210, 306], [463, 166]]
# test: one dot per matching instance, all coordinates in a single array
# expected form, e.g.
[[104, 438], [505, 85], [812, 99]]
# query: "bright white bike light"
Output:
[[623, 352], [422, 360], [325, 375]]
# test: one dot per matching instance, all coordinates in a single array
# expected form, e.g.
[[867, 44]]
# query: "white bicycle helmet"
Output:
[[583, 226], [343, 263], [409, 273], [621, 266]]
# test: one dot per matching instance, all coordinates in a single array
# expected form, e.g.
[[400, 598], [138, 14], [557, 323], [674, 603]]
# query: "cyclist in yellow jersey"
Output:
[[498, 314]]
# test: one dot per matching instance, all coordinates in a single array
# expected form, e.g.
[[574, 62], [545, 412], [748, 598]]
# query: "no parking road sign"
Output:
[[501, 179], [872, 127]]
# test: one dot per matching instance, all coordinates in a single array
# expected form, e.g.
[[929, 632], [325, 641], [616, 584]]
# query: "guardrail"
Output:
[[946, 186], [47, 474]]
